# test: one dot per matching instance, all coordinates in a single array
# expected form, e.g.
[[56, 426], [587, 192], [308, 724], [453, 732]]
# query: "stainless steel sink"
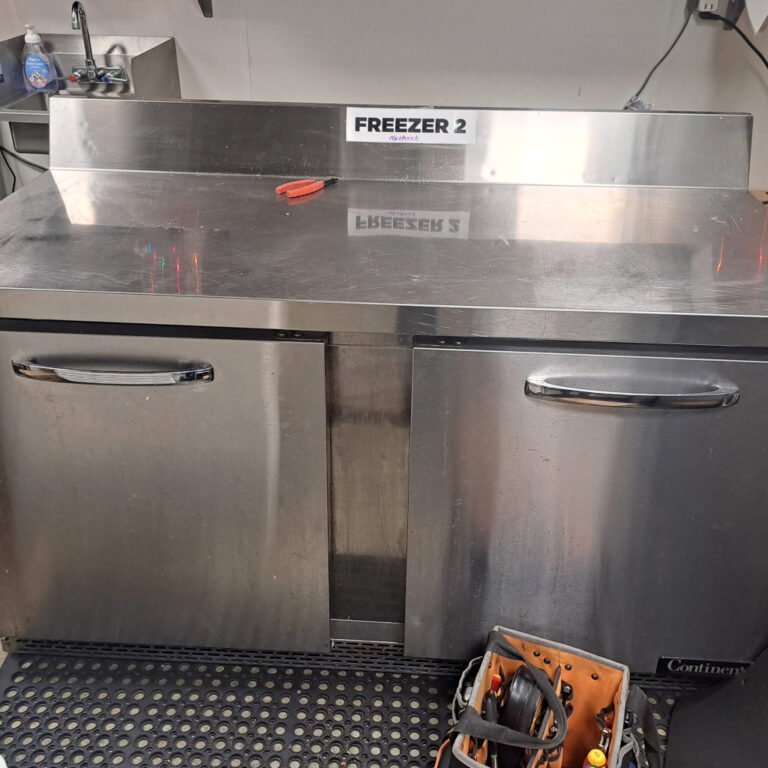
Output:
[[33, 102], [150, 63]]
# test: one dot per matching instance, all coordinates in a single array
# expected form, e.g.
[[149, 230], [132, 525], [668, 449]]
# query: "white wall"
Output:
[[9, 20], [532, 53]]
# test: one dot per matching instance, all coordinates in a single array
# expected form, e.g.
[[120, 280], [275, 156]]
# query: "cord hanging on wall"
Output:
[[206, 6], [735, 9], [732, 25], [635, 103]]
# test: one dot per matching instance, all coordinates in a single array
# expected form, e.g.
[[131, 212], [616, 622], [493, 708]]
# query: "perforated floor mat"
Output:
[[73, 705], [70, 711]]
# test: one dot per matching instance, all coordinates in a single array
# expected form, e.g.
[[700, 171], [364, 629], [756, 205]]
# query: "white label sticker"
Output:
[[411, 126], [438, 224]]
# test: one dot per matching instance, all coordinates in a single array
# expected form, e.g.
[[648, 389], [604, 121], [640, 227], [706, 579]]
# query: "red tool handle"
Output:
[[292, 186], [303, 187], [307, 189]]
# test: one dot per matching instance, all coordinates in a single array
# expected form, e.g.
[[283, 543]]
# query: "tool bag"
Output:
[[566, 702]]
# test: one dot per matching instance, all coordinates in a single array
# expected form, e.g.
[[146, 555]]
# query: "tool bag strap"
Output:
[[471, 723], [645, 738]]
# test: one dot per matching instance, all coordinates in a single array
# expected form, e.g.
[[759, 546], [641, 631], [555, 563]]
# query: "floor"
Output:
[[350, 709], [358, 707]]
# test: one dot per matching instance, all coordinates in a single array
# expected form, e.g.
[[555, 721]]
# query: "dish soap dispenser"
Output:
[[39, 68]]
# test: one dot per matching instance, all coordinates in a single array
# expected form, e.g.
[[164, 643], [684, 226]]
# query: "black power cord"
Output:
[[635, 102], [10, 169], [732, 25], [22, 159], [4, 152]]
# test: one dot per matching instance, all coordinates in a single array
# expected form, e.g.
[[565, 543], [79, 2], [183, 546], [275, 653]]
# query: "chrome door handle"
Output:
[[558, 390], [189, 374]]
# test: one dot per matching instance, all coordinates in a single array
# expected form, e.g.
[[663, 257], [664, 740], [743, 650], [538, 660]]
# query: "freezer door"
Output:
[[163, 490], [615, 503]]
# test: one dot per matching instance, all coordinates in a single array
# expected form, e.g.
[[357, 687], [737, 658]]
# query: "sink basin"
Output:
[[150, 63], [33, 102]]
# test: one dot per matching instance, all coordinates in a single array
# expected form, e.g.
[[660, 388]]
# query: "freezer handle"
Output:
[[560, 390], [189, 374]]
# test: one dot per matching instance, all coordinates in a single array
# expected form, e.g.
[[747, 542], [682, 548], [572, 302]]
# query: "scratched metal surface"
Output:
[[593, 263], [511, 146]]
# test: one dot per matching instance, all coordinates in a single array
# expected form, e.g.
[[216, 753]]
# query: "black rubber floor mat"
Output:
[[662, 703], [663, 694], [70, 711], [73, 704], [345, 654]]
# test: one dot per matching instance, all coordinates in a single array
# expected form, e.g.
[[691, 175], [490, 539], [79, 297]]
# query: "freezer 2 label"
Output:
[[430, 224], [411, 126], [674, 665]]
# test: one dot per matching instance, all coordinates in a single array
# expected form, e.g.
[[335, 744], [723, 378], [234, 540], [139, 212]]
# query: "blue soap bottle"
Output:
[[39, 68]]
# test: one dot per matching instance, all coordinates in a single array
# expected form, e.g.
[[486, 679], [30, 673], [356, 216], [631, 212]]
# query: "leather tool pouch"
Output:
[[575, 701]]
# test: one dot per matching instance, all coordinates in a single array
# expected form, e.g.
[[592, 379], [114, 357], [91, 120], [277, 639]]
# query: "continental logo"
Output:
[[681, 667]]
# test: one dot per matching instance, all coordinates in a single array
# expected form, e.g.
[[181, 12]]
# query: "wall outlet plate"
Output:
[[729, 9]]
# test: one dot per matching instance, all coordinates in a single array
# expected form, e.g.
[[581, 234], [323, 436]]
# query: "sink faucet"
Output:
[[79, 21], [91, 73]]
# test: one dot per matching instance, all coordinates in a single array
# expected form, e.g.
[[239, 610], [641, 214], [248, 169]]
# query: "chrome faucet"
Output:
[[79, 21], [91, 73]]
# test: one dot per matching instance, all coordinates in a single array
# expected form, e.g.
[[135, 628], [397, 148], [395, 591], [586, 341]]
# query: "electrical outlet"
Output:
[[728, 9]]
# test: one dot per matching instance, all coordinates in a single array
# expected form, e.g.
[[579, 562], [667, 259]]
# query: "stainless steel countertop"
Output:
[[651, 265]]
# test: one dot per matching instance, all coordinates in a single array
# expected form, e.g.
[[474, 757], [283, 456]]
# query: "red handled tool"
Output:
[[303, 187]]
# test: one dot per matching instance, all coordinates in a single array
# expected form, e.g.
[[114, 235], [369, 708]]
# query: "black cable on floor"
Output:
[[634, 100], [737, 29]]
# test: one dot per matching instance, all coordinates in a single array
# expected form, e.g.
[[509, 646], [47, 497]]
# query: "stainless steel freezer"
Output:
[[609, 512], [366, 464], [164, 490]]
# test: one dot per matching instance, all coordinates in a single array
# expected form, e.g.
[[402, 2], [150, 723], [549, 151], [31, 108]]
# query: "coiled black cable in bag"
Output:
[[532, 685]]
